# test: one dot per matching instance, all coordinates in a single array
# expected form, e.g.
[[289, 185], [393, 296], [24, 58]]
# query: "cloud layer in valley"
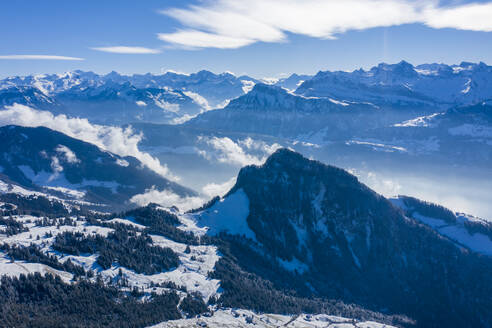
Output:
[[241, 153], [167, 198]]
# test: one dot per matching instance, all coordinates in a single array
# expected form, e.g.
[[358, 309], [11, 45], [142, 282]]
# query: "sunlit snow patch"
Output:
[[228, 215]]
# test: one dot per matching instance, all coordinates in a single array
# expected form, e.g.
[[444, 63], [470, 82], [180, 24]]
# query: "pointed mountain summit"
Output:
[[345, 241]]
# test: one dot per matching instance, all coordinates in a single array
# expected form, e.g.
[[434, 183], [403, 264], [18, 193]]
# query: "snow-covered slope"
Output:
[[191, 273], [292, 236]]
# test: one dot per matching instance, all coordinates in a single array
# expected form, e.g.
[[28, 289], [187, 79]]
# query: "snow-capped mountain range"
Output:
[[351, 102], [176, 97], [114, 98], [406, 85]]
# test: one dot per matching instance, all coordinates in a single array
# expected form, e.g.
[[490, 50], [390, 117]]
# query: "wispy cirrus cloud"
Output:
[[39, 57], [198, 39], [128, 50], [230, 24]]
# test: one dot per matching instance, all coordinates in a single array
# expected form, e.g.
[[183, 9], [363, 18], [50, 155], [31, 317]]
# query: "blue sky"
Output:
[[261, 38]]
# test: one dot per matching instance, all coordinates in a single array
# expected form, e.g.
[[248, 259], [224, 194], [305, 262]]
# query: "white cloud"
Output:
[[55, 165], [166, 106], [242, 153], [69, 155], [218, 189], [182, 119], [56, 168], [473, 17], [167, 198], [128, 50], [123, 142], [236, 23], [383, 185], [199, 39], [40, 57], [259, 145], [198, 99], [122, 162]]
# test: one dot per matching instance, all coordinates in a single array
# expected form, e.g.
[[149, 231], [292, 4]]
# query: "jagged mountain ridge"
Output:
[[406, 85], [400, 92], [114, 98], [175, 97], [108, 103]]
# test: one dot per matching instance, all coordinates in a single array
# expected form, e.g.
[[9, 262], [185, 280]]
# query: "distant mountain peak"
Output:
[[402, 68]]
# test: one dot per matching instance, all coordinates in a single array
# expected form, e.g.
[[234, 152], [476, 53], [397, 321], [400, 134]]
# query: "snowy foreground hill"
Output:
[[294, 243]]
